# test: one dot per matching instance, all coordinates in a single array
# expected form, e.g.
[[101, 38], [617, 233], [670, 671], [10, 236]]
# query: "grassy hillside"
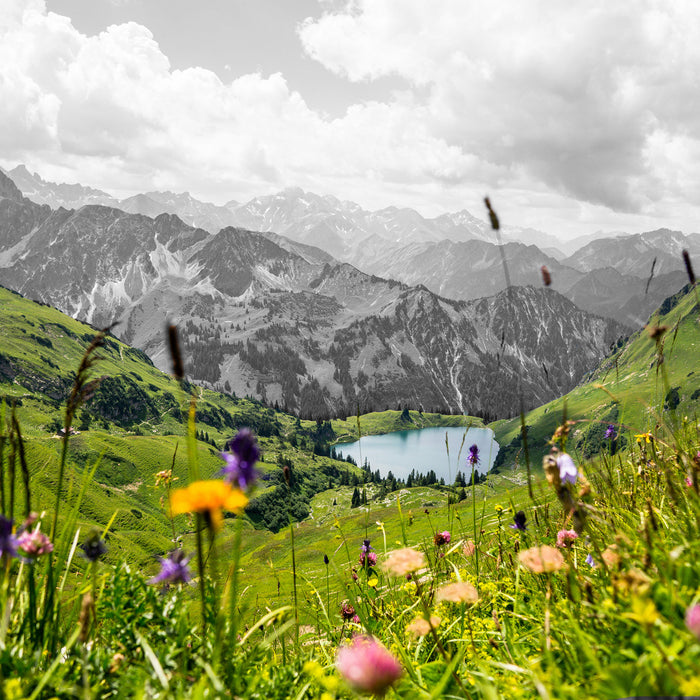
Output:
[[631, 389], [133, 428]]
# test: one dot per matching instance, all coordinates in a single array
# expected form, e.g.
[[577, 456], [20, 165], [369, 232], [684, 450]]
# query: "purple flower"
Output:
[[367, 665], [441, 538], [347, 612], [692, 620], [370, 558], [568, 473], [34, 544], [473, 457], [325, 559], [565, 538], [590, 561], [8, 541], [173, 569], [519, 520], [610, 433], [93, 547], [366, 548], [240, 461]]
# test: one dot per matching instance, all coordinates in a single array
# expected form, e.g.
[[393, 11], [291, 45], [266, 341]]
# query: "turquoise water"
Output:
[[422, 450]]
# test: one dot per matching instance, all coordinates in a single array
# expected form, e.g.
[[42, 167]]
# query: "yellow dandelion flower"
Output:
[[207, 498]]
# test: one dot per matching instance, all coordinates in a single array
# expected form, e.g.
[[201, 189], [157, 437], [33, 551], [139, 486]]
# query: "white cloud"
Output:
[[573, 93], [550, 104]]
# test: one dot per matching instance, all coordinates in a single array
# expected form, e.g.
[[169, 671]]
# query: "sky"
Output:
[[573, 117]]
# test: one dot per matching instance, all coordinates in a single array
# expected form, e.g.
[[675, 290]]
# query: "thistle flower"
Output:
[[441, 538], [692, 620], [565, 538], [207, 498], [458, 592], [93, 547], [519, 520], [404, 561], [368, 559], [473, 457], [240, 461], [34, 544], [173, 569], [419, 627], [367, 665], [347, 612], [568, 472], [541, 560], [8, 541]]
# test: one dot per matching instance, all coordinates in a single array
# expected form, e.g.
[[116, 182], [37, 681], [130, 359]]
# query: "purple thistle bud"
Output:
[[239, 469], [473, 457], [8, 541], [519, 520], [93, 547], [173, 569], [568, 472]]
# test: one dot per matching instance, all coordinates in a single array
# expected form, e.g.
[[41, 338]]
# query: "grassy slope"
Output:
[[628, 380], [39, 350]]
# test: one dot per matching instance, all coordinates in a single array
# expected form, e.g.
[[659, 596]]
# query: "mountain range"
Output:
[[283, 320], [456, 255]]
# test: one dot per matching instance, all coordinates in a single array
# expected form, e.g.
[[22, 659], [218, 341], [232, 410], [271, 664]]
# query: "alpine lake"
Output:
[[422, 450]]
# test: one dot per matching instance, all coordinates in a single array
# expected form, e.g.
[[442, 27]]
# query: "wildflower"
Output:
[[644, 438], [692, 620], [403, 561], [590, 561], [519, 520], [369, 559], [469, 549], [567, 469], [93, 547], [367, 665], [441, 538], [610, 557], [473, 457], [610, 432], [347, 612], [546, 276], [541, 560], [459, 592], [355, 619], [34, 544], [207, 498], [498, 508], [420, 626], [8, 541], [240, 461], [325, 559], [688, 481], [164, 477], [565, 538], [173, 569]]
